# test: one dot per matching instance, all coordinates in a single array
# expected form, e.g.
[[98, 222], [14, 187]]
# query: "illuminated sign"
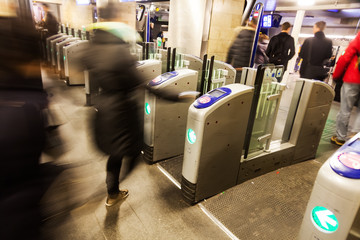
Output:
[[147, 108], [324, 220], [191, 136]]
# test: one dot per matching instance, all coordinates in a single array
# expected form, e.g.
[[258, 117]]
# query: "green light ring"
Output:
[[191, 136], [147, 108]]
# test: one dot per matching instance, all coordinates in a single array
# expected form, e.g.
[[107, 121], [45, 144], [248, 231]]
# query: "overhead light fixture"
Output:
[[350, 37], [306, 2]]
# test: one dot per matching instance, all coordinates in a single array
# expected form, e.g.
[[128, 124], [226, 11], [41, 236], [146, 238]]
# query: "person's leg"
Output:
[[112, 181], [349, 94], [112, 174], [356, 126]]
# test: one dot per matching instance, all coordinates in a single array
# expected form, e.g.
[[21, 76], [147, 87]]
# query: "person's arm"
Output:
[[329, 51], [304, 49], [292, 48], [344, 61], [269, 48], [230, 53]]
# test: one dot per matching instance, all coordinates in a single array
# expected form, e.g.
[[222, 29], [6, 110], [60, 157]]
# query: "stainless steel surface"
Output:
[[313, 109]]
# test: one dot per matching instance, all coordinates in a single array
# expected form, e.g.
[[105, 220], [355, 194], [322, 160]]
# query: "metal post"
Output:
[[210, 73], [173, 60], [202, 83], [295, 34], [168, 60]]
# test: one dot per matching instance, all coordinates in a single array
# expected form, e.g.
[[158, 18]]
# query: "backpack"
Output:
[[277, 55]]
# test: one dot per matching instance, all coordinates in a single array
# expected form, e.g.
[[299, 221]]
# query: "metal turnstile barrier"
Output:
[[48, 47], [72, 74], [309, 110], [165, 121], [60, 55], [333, 210], [214, 139]]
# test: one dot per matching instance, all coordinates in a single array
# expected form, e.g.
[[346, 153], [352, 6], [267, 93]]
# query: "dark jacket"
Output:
[[117, 124], [321, 50], [260, 56], [51, 24], [278, 49], [347, 67], [240, 51]]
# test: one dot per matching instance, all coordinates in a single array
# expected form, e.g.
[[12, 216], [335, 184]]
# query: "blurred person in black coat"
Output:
[[50, 22], [117, 122], [22, 133], [240, 51]]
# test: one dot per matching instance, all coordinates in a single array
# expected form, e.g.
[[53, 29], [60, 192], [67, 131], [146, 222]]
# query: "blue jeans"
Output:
[[349, 95]]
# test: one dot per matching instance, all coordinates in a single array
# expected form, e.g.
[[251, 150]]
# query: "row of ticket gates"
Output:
[[225, 136]]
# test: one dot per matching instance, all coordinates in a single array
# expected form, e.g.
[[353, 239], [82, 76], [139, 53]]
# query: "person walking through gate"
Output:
[[281, 47], [117, 122], [239, 52], [315, 52]]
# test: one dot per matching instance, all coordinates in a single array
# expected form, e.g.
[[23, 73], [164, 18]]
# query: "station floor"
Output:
[[268, 207]]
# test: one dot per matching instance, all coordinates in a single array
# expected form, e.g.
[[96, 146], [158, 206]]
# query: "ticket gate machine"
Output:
[[333, 210], [165, 121], [53, 51], [303, 129], [48, 54], [72, 75], [60, 55], [214, 140]]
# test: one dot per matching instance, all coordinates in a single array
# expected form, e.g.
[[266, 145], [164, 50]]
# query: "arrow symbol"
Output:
[[324, 218]]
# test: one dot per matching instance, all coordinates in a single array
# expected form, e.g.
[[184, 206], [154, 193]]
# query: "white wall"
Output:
[[186, 22]]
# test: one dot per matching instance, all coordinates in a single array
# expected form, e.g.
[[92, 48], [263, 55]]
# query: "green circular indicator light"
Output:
[[324, 220], [147, 108], [64, 58], [191, 136]]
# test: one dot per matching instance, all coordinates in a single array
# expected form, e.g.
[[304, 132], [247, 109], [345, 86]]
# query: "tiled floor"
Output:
[[74, 203]]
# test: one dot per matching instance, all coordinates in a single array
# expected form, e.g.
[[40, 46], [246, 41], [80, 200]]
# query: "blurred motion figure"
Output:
[[49, 21], [117, 122], [240, 51], [22, 133], [260, 56]]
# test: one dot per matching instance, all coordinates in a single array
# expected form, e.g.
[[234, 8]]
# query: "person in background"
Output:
[[49, 21], [315, 52], [240, 51], [347, 69], [117, 127], [260, 56], [281, 47]]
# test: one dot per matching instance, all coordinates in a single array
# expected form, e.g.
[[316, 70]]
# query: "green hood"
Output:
[[119, 29]]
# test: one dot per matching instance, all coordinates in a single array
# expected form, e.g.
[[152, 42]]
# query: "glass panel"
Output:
[[265, 116]]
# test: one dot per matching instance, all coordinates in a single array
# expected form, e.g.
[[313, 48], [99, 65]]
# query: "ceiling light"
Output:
[[306, 2]]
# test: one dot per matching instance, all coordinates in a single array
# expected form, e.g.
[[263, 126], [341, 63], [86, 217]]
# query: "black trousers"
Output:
[[113, 167]]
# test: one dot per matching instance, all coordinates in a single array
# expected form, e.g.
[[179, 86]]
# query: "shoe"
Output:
[[337, 141], [112, 199]]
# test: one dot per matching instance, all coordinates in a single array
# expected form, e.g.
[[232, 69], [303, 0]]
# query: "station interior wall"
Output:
[[225, 22]]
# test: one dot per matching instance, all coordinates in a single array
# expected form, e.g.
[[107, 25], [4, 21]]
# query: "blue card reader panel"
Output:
[[211, 97], [163, 78], [346, 161]]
